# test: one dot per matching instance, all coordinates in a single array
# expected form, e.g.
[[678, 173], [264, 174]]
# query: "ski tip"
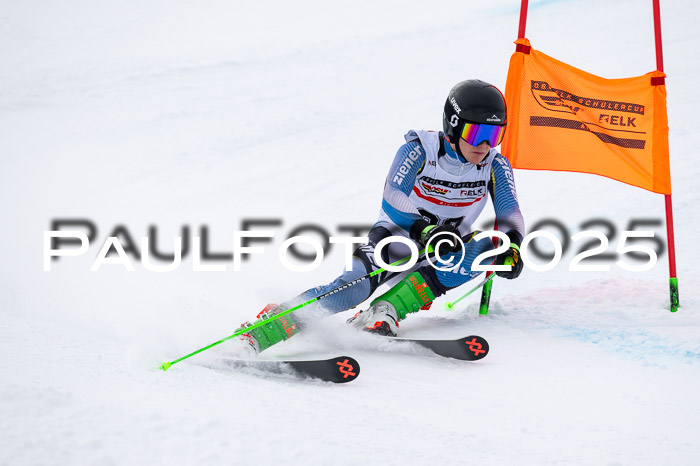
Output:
[[165, 366], [478, 347], [348, 369]]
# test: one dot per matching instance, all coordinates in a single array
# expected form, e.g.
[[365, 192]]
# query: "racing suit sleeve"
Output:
[[505, 200], [408, 163]]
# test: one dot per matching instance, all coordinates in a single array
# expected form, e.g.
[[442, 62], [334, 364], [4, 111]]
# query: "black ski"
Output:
[[471, 348], [338, 370]]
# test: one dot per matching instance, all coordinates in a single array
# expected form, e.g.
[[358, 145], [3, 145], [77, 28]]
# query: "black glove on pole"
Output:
[[511, 257], [446, 238]]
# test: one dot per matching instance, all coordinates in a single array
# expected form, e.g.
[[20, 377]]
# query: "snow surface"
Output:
[[173, 113]]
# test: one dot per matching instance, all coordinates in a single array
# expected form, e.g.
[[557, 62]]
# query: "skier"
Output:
[[436, 188]]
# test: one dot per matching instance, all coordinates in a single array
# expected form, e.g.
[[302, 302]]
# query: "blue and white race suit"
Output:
[[429, 181]]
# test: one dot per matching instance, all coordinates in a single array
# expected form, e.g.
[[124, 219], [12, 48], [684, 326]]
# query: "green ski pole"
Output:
[[486, 283], [166, 365], [483, 282]]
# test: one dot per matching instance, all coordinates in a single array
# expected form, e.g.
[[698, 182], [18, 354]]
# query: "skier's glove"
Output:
[[447, 236], [511, 257]]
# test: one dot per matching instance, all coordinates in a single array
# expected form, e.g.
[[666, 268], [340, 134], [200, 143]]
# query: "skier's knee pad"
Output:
[[365, 254]]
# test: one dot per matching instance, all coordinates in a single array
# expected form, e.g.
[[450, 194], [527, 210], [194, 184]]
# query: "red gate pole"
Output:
[[523, 19], [673, 280]]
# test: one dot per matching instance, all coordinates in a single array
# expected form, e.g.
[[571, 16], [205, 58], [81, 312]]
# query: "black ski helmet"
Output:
[[472, 101]]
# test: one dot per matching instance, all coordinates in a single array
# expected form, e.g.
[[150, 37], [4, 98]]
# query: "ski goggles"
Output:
[[475, 134]]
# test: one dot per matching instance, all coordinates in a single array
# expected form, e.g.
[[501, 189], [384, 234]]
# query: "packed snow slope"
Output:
[[179, 114]]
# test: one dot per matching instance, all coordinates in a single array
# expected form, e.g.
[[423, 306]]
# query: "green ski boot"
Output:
[[409, 295], [261, 338]]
